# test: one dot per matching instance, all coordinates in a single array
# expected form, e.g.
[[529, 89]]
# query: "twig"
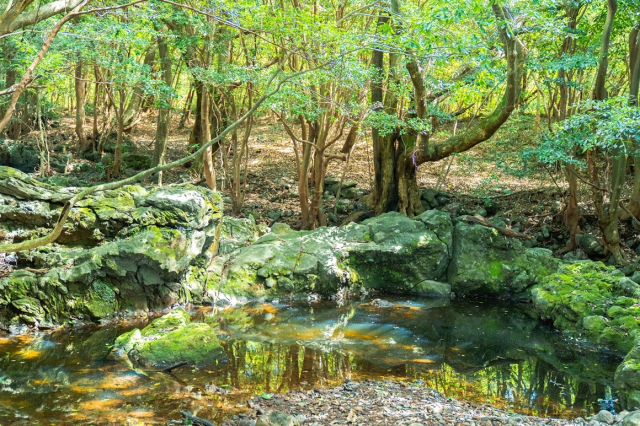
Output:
[[504, 231], [634, 219], [196, 420], [174, 366]]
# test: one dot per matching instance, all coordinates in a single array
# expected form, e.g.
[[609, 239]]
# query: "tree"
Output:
[[399, 150]]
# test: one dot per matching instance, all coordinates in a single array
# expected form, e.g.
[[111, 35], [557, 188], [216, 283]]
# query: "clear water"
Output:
[[472, 351]]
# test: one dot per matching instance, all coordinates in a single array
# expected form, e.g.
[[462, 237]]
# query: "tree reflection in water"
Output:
[[473, 352]]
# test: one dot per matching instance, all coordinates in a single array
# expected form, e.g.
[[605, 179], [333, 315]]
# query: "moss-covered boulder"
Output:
[[125, 249], [391, 253], [484, 262], [29, 207], [627, 379], [169, 340], [591, 299]]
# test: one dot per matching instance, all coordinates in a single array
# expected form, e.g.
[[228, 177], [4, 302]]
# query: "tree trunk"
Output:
[[164, 113], [600, 91], [96, 97], [572, 211], [205, 129], [117, 157], [81, 95], [186, 112], [608, 220], [138, 94], [634, 84], [397, 157], [384, 161]]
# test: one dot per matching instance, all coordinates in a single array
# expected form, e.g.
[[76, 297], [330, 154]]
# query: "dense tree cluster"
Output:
[[330, 71]]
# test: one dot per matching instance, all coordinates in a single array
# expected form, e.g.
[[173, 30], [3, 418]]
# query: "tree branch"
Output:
[[40, 14], [485, 128], [55, 233]]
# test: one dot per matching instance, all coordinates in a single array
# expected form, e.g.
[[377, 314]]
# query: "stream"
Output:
[[473, 351]]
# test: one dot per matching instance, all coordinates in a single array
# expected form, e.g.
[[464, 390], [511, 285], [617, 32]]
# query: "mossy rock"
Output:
[[627, 379], [194, 343], [101, 300], [588, 297], [170, 339], [177, 318], [484, 262]]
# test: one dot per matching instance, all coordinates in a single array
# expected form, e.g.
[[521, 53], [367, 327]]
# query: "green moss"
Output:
[[594, 325], [625, 301], [495, 268], [174, 319], [615, 311], [587, 293], [196, 344], [101, 301]]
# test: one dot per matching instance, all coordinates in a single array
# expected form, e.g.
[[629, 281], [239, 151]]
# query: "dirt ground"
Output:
[[522, 191]]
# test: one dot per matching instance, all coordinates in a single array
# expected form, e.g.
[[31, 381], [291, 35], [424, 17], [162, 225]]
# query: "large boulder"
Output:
[[627, 379], [484, 262], [391, 253], [125, 249], [169, 340]]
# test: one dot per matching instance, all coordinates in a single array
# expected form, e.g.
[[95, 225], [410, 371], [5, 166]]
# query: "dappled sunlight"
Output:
[[305, 346]]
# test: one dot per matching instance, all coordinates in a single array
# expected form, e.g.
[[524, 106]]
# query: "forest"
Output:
[[273, 212]]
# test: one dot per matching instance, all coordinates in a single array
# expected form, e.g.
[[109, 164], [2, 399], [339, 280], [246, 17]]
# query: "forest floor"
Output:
[[522, 191], [388, 403]]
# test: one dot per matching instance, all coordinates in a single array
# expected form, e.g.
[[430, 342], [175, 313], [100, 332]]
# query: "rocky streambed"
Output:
[[136, 250]]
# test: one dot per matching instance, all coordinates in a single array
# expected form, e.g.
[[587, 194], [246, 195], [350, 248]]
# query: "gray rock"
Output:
[[432, 289], [429, 195], [483, 261], [274, 215], [276, 418], [286, 285], [605, 417], [379, 303], [152, 252], [632, 419], [629, 287], [356, 217], [443, 200], [590, 244], [370, 254], [627, 379], [330, 180], [636, 277], [279, 228], [352, 193], [22, 156], [170, 339], [345, 185]]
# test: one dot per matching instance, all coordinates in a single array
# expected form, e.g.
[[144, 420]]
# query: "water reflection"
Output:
[[474, 352]]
